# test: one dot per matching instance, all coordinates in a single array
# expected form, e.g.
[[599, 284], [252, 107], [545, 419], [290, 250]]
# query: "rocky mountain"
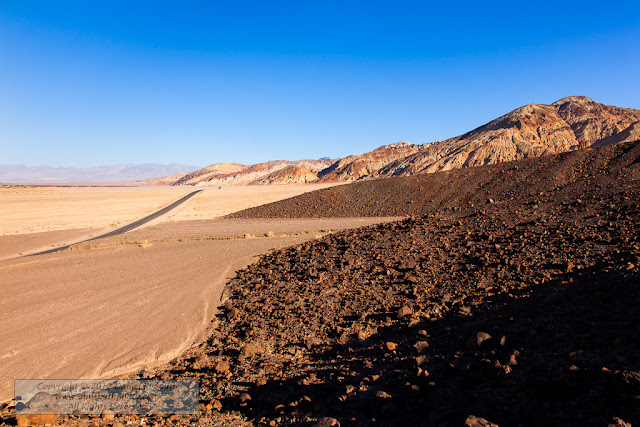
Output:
[[165, 180], [207, 173], [287, 175], [352, 168], [273, 172], [21, 174], [530, 131]]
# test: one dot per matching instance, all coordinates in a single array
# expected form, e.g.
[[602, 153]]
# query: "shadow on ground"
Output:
[[567, 358]]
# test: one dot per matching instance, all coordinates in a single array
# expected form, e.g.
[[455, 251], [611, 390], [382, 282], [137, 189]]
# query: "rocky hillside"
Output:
[[165, 180], [299, 171], [543, 179], [352, 168], [514, 301], [200, 175], [530, 131], [287, 175]]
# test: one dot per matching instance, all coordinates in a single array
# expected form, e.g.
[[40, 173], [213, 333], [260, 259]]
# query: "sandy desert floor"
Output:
[[41, 209], [53, 216], [114, 305]]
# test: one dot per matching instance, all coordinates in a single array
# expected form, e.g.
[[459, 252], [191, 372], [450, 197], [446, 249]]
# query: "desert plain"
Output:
[[110, 306]]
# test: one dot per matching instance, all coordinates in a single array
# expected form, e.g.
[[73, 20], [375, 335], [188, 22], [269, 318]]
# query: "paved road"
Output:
[[127, 227]]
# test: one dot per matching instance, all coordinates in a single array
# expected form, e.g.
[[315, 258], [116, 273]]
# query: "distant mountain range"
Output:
[[531, 131], [21, 174]]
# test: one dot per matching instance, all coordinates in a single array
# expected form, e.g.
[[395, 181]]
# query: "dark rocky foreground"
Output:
[[390, 322], [521, 309], [511, 295]]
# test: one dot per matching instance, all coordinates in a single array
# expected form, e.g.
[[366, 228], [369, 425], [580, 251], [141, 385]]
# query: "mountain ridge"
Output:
[[533, 130], [265, 173]]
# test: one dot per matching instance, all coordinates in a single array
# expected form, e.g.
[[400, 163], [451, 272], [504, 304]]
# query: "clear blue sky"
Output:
[[86, 83]]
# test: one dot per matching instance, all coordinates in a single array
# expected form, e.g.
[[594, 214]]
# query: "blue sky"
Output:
[[92, 83]]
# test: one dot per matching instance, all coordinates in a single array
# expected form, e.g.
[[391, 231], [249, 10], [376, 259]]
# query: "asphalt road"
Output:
[[127, 227]]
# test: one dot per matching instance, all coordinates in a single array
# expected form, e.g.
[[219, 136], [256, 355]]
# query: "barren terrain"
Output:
[[509, 294], [514, 300], [109, 306]]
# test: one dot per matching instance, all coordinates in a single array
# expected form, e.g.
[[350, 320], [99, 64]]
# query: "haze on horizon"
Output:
[[87, 84]]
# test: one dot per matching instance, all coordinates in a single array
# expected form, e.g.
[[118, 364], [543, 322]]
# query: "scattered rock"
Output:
[[108, 414], [327, 422], [383, 394], [421, 346], [473, 421], [617, 422], [325, 313], [232, 313], [249, 350], [404, 312], [222, 366], [480, 339]]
